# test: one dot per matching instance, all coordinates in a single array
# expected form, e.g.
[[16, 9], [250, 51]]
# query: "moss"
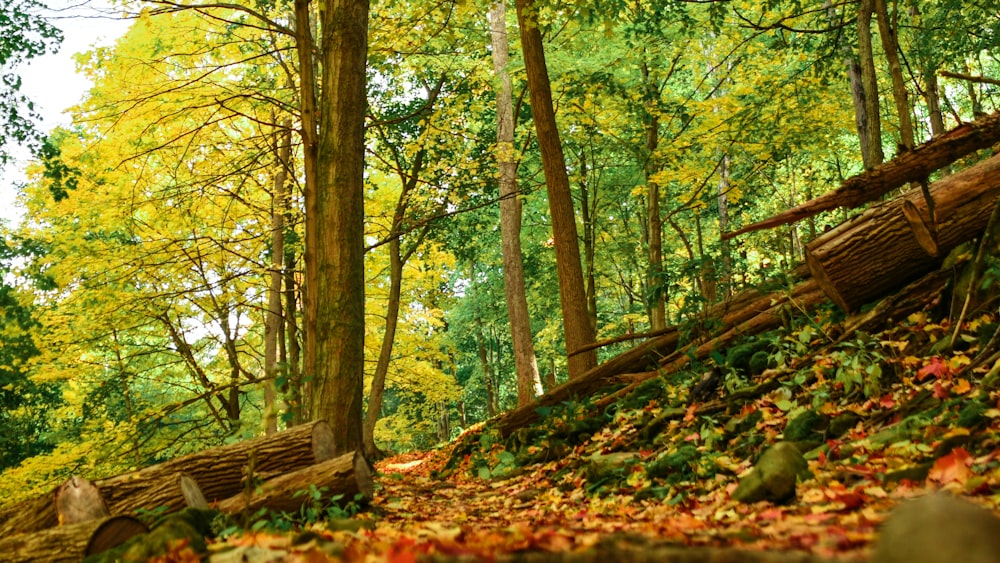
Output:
[[807, 426], [674, 466]]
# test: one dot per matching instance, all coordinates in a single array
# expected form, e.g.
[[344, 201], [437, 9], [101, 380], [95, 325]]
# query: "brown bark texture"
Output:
[[65, 543], [219, 473], [910, 166], [572, 293], [962, 206], [879, 250], [338, 391], [529, 383], [346, 475]]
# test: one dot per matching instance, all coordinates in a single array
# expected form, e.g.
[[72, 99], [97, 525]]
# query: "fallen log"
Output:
[[70, 543], [218, 472], [76, 500], [878, 251], [908, 167], [347, 475], [962, 206]]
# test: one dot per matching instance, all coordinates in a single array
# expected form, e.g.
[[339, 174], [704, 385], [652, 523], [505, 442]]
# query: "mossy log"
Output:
[[346, 475]]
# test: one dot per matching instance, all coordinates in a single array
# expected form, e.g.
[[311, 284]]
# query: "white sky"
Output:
[[51, 81]]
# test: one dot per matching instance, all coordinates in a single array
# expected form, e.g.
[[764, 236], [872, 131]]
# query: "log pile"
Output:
[[80, 517]]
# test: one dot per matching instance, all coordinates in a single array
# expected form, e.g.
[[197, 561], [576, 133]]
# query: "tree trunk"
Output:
[[346, 475], [890, 44], [294, 397], [881, 250], [487, 367], [340, 284], [388, 337], [656, 283], [529, 384], [572, 295], [869, 82], [588, 213], [310, 147], [725, 272], [273, 320]]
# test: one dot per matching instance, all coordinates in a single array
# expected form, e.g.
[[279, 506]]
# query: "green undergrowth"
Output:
[[894, 401]]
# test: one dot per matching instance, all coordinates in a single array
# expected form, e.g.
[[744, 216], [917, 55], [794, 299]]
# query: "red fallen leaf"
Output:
[[770, 514], [402, 551], [952, 468], [936, 368], [851, 500], [940, 392], [694, 437], [887, 402]]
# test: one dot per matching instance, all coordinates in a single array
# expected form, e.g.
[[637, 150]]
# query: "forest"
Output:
[[409, 218]]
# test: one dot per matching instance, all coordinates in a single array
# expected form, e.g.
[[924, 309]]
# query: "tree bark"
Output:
[[310, 153], [880, 250], [572, 295], [70, 543], [220, 473], [273, 319], [869, 81], [340, 284], [529, 383], [911, 166], [962, 205], [656, 283], [890, 44], [346, 475]]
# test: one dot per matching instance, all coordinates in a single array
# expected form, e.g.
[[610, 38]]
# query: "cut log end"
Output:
[[78, 500], [923, 230], [114, 532]]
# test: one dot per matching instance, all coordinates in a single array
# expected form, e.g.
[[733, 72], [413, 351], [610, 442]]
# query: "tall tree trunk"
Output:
[[385, 351], [869, 83], [487, 367], [292, 346], [572, 295], [655, 281], [310, 147], [588, 211], [725, 272], [529, 383], [890, 44], [340, 283], [273, 322]]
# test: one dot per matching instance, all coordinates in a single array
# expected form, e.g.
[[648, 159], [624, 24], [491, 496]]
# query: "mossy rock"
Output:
[[842, 424], [189, 528], [774, 476], [759, 362], [806, 427], [741, 424], [674, 466], [649, 390], [738, 358]]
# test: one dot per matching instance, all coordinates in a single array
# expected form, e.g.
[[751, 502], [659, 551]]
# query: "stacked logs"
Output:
[[81, 518]]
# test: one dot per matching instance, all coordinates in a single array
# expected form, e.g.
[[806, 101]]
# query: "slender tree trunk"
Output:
[[655, 281], [869, 83], [572, 295], [588, 210], [529, 384], [340, 282], [310, 146], [292, 346], [385, 352], [487, 367], [273, 322], [890, 44], [725, 272]]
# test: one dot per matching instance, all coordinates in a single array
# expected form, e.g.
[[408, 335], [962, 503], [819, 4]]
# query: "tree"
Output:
[[572, 294], [340, 280], [529, 384], [25, 35]]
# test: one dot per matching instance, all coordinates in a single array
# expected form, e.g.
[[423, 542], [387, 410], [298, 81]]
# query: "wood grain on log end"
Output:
[[923, 231], [114, 532], [322, 441], [78, 500]]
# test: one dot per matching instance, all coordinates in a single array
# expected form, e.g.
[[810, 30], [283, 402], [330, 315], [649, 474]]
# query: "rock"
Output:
[[774, 476], [939, 527]]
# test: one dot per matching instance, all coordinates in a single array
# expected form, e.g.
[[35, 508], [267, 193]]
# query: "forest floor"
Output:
[[548, 495]]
